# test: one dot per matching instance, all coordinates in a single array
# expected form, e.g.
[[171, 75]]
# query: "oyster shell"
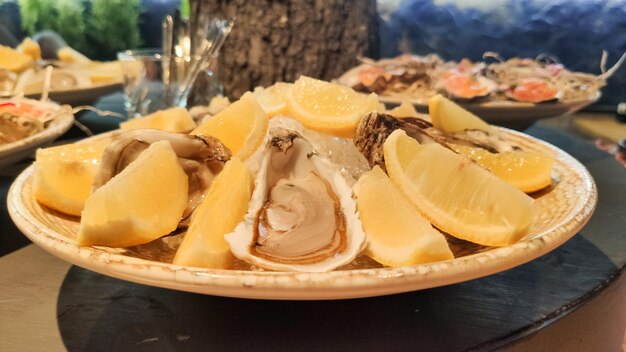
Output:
[[32, 81], [201, 157], [375, 127], [463, 86], [533, 91], [301, 216], [13, 127]]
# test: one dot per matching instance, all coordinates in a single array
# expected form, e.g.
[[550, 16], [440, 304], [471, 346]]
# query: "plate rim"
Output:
[[343, 284]]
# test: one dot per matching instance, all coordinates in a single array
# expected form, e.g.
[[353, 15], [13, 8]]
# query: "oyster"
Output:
[[533, 91], [13, 127], [301, 216], [32, 81], [464, 86], [201, 157], [375, 127]]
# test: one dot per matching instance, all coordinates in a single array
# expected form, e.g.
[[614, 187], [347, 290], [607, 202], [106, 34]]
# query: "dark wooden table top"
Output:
[[99, 313]]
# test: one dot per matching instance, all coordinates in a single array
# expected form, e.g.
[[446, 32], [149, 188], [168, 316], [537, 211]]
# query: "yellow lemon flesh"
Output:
[[104, 72], [140, 204], [396, 233], [71, 56], [405, 109], [223, 208], [529, 171], [63, 175], [327, 107], [13, 60], [172, 120], [30, 48], [272, 98], [241, 126], [448, 116], [456, 195]]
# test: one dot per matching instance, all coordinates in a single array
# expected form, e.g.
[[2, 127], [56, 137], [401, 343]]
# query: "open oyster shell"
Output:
[[375, 127], [301, 216], [201, 157]]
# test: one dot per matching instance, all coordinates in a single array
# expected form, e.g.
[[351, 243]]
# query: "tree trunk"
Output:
[[276, 40]]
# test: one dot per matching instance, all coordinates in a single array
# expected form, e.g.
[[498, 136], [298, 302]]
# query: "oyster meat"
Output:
[[302, 216], [14, 128], [375, 127], [464, 86], [201, 157]]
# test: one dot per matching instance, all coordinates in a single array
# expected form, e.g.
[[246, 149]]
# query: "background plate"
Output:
[[80, 96], [559, 211], [509, 114], [13, 152]]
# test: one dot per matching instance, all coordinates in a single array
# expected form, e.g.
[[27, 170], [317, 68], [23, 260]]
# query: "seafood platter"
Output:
[[303, 190], [498, 91], [72, 79]]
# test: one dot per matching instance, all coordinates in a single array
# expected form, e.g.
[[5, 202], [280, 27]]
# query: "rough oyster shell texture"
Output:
[[375, 127]]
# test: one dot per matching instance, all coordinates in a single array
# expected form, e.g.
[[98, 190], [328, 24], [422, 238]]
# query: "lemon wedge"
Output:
[[64, 174], [31, 48], [132, 208], [327, 107], [456, 195], [396, 233], [272, 98], [71, 56], [172, 120], [13, 60], [529, 171], [405, 109], [448, 116], [241, 126], [223, 208]]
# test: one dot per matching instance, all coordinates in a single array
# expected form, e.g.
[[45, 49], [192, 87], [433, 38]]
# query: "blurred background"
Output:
[[572, 31]]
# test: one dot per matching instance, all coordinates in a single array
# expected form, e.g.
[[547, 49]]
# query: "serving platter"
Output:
[[11, 153], [559, 211]]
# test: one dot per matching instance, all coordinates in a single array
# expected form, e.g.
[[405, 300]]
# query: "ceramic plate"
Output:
[[517, 115], [560, 211], [80, 96], [13, 152]]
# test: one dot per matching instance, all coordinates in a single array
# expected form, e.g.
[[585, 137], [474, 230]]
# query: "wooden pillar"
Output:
[[279, 40]]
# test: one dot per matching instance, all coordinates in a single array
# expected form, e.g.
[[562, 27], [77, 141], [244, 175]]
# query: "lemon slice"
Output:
[[396, 233], [327, 107], [64, 174], [456, 195], [529, 171], [31, 48], [272, 98], [71, 56], [448, 116], [172, 120], [223, 208], [104, 72], [405, 109], [132, 208], [13, 60], [241, 126]]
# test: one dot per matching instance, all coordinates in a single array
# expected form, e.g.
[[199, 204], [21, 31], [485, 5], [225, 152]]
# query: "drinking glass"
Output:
[[144, 89]]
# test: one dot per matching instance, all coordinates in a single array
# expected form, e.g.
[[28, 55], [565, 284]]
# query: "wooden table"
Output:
[[572, 299]]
